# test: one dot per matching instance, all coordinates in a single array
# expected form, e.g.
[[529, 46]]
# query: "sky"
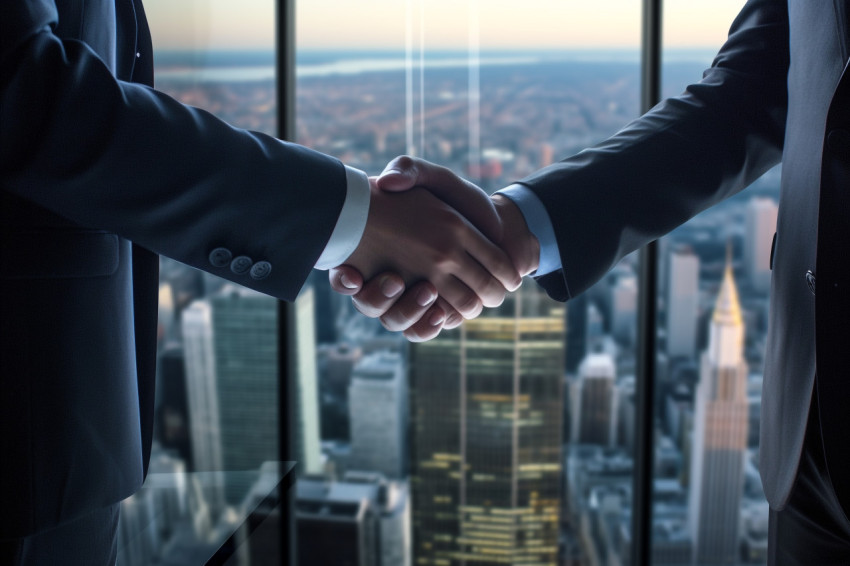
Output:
[[436, 24]]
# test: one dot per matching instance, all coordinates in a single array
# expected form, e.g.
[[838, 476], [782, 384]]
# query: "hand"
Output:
[[498, 217], [418, 236], [417, 312], [405, 311]]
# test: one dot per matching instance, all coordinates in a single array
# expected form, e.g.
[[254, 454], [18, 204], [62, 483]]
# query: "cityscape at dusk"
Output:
[[509, 440]]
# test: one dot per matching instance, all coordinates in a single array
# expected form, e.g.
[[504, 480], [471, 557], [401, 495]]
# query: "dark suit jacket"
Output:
[[91, 161], [778, 90]]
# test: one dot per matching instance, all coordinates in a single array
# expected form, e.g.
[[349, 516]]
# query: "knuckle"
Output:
[[367, 309], [404, 161], [470, 306]]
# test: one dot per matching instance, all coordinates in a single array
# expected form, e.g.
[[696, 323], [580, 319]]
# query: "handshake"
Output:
[[436, 249]]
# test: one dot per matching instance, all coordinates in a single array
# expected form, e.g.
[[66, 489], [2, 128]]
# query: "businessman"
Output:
[[99, 172], [778, 91]]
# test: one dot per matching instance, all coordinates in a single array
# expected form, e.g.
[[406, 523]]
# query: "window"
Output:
[[512, 438], [217, 419], [459, 445], [713, 281]]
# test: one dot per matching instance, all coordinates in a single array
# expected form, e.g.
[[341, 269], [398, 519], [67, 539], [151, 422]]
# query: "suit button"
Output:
[[261, 270], [810, 281], [220, 257], [839, 143], [241, 264]]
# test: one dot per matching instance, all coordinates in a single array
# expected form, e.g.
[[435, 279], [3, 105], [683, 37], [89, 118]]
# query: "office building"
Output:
[[308, 450], [230, 344], [682, 304], [205, 424], [576, 332], [363, 520], [486, 410], [720, 435], [760, 226], [245, 342], [231, 353], [624, 295], [595, 401], [378, 409]]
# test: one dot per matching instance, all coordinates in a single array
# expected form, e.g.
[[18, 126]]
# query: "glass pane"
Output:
[[714, 279], [456, 451], [217, 401]]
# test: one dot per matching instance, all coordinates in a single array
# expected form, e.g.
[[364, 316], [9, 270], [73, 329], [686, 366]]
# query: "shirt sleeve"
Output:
[[539, 224], [351, 222]]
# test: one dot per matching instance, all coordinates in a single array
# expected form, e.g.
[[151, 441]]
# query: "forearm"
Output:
[[125, 158], [683, 156]]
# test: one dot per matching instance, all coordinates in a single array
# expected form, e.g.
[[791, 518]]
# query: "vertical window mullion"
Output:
[[285, 95], [647, 315]]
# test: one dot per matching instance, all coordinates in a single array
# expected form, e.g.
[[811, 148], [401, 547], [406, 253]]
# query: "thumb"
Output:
[[345, 280], [400, 174], [405, 172]]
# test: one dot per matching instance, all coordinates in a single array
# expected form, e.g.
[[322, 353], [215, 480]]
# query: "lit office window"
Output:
[[508, 440], [714, 279], [217, 402]]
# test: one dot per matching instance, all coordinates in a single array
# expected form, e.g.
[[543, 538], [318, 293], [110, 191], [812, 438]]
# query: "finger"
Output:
[[345, 280], [463, 299], [428, 326], [494, 261], [479, 281], [410, 307], [453, 318], [379, 294]]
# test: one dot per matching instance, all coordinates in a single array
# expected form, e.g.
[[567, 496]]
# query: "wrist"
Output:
[[517, 240]]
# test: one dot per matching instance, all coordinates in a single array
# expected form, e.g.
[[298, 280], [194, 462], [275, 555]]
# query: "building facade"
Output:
[[487, 409]]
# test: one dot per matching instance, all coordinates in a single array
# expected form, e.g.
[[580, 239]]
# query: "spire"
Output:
[[727, 309]]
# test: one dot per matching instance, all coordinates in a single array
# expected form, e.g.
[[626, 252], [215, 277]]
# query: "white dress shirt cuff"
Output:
[[351, 222], [539, 224]]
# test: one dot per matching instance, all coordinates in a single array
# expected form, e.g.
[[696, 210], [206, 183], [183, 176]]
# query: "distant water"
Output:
[[250, 66]]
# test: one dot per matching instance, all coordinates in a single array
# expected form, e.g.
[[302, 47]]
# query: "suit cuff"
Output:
[[351, 222], [539, 224]]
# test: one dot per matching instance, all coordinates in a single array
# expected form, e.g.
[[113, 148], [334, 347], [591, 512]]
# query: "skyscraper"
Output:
[[378, 408], [682, 304], [486, 406], [363, 520], [246, 375], [594, 410], [760, 225], [720, 434], [230, 344], [624, 309], [308, 449], [204, 426], [232, 374], [576, 332]]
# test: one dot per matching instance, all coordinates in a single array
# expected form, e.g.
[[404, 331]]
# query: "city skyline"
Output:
[[530, 115]]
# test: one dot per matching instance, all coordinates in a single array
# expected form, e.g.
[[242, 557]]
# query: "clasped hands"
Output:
[[436, 250]]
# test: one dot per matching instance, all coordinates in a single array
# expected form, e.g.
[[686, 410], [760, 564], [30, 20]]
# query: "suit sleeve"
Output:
[[686, 154], [123, 157]]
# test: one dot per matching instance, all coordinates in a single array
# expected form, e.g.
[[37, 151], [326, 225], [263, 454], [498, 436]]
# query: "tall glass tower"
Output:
[[720, 434], [486, 410]]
